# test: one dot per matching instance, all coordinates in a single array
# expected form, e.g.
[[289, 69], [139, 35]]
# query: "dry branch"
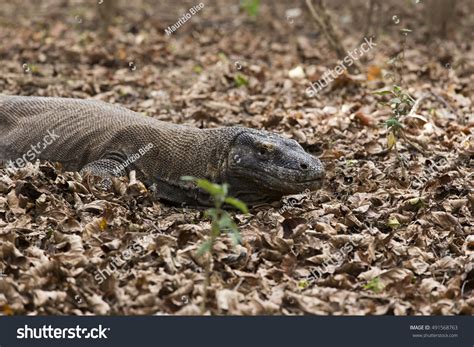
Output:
[[324, 23]]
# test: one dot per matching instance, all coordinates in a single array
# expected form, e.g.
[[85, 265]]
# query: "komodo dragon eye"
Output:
[[265, 148]]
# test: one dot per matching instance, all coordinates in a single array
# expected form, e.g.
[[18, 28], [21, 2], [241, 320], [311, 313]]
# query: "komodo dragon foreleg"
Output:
[[185, 192], [105, 168]]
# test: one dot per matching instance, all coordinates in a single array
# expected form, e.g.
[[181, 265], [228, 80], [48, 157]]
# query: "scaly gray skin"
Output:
[[99, 137]]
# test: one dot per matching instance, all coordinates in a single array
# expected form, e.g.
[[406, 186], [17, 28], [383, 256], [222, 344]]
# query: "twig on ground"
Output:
[[413, 144], [415, 107], [323, 22], [446, 104], [370, 14], [207, 281]]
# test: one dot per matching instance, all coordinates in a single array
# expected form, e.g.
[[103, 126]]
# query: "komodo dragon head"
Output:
[[262, 166]]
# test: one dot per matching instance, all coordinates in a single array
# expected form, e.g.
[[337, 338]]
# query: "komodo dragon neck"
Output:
[[111, 140]]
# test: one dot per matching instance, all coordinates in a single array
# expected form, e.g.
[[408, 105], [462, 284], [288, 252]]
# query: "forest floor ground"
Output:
[[390, 232]]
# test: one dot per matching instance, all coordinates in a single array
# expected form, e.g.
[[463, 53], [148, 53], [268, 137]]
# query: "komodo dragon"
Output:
[[94, 136]]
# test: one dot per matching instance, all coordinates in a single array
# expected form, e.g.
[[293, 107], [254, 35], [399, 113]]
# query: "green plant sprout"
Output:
[[197, 69], [400, 103], [240, 80], [221, 220], [374, 285], [251, 7]]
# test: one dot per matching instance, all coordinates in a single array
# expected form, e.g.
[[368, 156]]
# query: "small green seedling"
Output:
[[222, 57], [197, 69], [374, 285], [400, 103], [251, 7], [393, 223], [303, 284], [240, 80], [221, 220]]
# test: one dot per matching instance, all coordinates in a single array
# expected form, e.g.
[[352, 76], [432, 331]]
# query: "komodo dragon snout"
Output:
[[262, 166]]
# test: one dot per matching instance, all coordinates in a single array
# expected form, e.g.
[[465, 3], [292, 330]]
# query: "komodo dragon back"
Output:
[[110, 140]]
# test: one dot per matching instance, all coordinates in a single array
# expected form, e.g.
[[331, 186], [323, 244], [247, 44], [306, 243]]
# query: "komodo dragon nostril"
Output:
[[304, 166]]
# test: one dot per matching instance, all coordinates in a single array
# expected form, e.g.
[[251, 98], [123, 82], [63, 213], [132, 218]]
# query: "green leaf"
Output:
[[204, 248], [237, 204], [409, 99], [374, 285], [212, 213], [416, 202], [240, 80], [391, 140], [393, 123], [303, 284], [395, 101], [197, 69], [215, 230], [235, 236], [34, 69], [211, 188], [221, 219], [392, 60], [225, 189], [222, 57], [226, 223], [393, 222], [382, 92], [49, 233], [251, 6]]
